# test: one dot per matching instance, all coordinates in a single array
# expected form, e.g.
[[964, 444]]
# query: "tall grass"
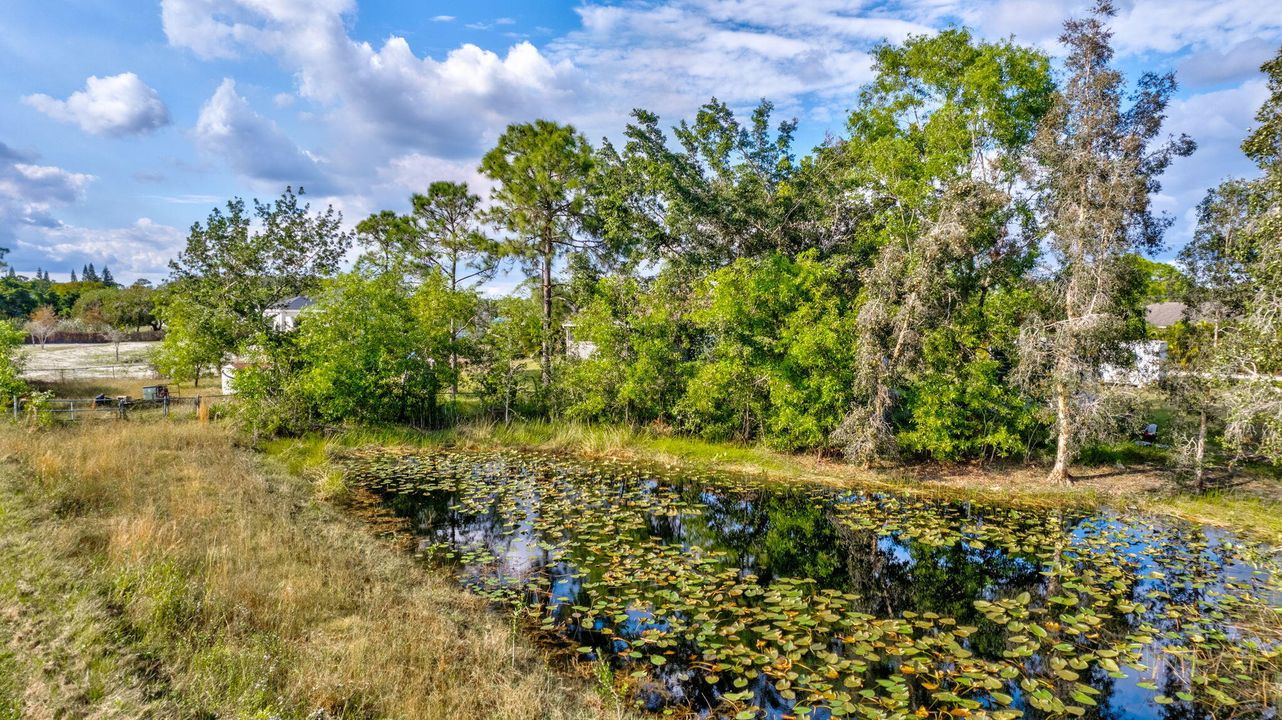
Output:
[[233, 592]]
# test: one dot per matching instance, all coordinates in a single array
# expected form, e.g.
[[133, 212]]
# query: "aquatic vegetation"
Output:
[[741, 599]]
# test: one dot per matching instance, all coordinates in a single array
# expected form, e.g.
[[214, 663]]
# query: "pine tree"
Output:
[[89, 274], [107, 279], [73, 275]]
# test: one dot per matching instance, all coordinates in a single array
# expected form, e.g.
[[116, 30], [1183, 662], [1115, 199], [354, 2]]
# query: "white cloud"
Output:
[[671, 57], [1218, 121], [1214, 67], [386, 96], [115, 106], [1141, 26], [28, 192], [253, 145], [143, 248], [443, 18]]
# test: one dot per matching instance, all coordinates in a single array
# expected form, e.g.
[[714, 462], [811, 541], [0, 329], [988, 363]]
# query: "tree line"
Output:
[[945, 280]]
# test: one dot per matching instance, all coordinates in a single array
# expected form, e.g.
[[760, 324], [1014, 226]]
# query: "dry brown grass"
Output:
[[252, 597]]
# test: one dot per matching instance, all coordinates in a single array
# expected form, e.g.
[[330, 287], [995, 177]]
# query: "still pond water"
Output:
[[732, 597]]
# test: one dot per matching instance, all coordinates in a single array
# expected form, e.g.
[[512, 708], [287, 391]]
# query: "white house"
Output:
[[284, 314], [1149, 358], [581, 349]]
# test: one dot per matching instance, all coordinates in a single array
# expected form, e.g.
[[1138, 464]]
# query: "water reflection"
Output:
[[930, 607]]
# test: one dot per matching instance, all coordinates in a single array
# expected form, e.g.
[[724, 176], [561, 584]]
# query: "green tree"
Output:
[[512, 333], [447, 218], [1234, 354], [363, 355], [641, 336], [11, 360], [196, 337], [384, 235], [932, 161], [1097, 166], [726, 190], [238, 263], [542, 198], [779, 354]]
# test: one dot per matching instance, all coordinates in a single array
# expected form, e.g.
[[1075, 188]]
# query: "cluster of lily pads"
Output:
[[1050, 610]]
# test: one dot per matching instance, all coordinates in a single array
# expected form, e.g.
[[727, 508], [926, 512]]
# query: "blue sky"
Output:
[[121, 123]]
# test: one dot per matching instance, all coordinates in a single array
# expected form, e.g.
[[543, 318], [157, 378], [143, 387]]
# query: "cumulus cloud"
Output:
[[672, 56], [1141, 26], [115, 106], [1219, 121], [141, 249], [1215, 67], [253, 145], [29, 191], [387, 95]]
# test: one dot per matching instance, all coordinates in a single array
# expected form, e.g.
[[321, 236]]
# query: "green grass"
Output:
[[162, 570]]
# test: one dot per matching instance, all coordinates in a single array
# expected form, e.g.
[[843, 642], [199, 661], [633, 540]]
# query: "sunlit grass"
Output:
[[157, 569]]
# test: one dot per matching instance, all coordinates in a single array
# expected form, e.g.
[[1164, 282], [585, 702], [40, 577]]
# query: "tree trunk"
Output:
[[1059, 474], [547, 313], [1199, 453], [453, 340]]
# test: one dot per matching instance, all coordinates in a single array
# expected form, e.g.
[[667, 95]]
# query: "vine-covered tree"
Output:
[[934, 152], [1096, 167], [1252, 354]]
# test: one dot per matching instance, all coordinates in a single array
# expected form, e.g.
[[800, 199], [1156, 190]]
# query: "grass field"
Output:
[[160, 570]]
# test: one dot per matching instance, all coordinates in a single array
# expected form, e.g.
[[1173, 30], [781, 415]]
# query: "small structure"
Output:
[[581, 349], [1164, 314], [227, 374], [155, 392], [284, 313], [1150, 355]]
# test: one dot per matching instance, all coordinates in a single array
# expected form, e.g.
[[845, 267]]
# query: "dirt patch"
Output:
[[71, 361]]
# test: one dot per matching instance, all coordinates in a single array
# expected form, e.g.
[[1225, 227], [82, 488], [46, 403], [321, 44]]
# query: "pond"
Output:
[[725, 596]]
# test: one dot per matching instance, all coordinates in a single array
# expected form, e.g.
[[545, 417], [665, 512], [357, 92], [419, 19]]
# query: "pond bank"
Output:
[[160, 570], [740, 597], [1254, 507]]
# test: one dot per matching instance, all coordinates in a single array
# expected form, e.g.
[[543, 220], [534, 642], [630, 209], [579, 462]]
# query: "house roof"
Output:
[[1164, 314], [298, 302]]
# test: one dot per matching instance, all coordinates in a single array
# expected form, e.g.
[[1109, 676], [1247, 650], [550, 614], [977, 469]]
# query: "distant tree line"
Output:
[[946, 280]]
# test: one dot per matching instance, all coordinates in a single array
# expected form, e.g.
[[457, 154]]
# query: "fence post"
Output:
[[202, 410], [15, 408], [165, 405]]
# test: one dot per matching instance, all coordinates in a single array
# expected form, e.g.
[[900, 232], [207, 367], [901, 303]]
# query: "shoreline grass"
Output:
[[161, 570], [1141, 487]]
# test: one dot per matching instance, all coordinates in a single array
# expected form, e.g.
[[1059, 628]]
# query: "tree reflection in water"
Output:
[[968, 608]]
